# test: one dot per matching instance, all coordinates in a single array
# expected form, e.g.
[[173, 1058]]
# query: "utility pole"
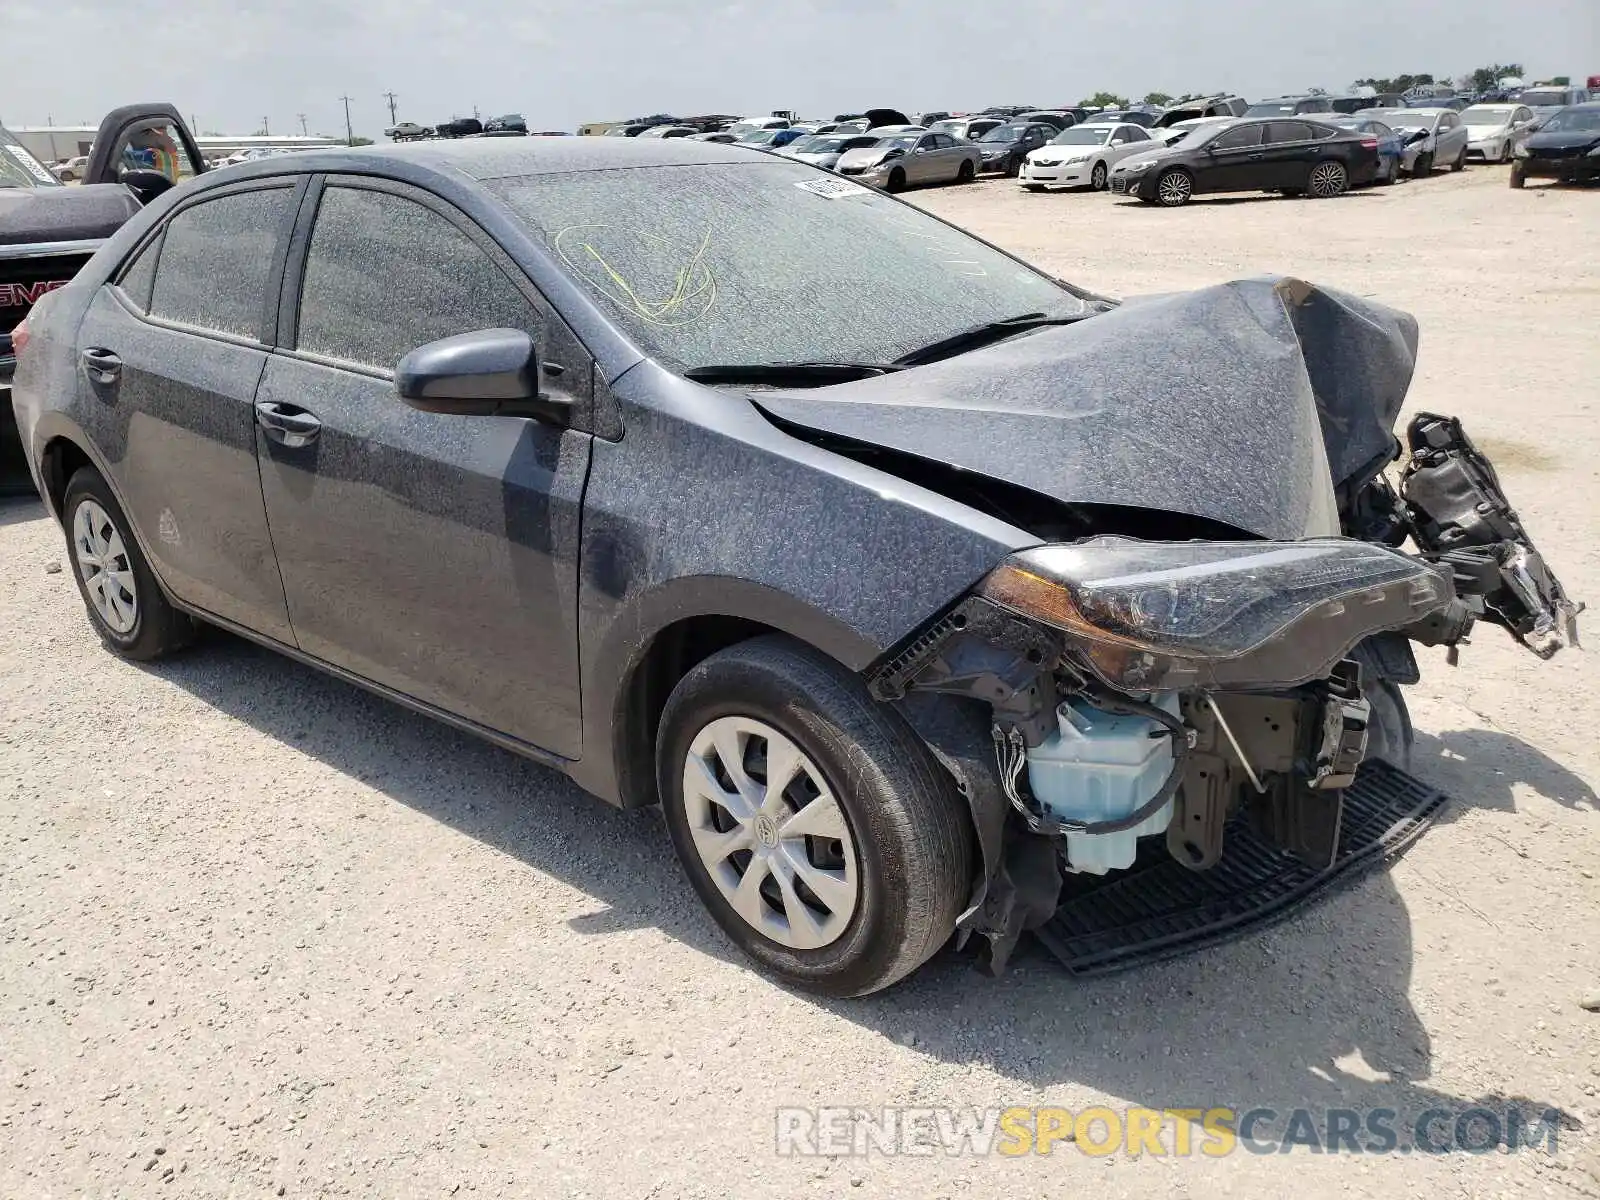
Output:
[[302, 117], [266, 131], [390, 97], [349, 133]]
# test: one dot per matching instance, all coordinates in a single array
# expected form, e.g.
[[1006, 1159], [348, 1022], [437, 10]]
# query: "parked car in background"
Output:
[[1354, 104], [1546, 100], [408, 131], [742, 129], [1142, 117], [1391, 146], [1433, 137], [1453, 103], [904, 160], [1289, 106], [721, 136], [1082, 156], [1294, 157], [71, 170], [1005, 147], [886, 130], [670, 131], [970, 128], [773, 139], [825, 149], [1211, 106], [1495, 130], [1565, 147], [1056, 120], [928, 119]]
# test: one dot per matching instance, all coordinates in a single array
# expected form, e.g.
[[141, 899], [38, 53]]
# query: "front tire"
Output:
[[1460, 163], [897, 180], [1519, 177], [1423, 167], [1174, 189], [1097, 178], [850, 873], [126, 605], [1033, 187]]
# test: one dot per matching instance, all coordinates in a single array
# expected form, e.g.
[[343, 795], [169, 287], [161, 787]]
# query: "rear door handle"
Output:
[[287, 425], [102, 365]]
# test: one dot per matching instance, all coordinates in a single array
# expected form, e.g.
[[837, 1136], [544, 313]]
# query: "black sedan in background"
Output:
[[1005, 147], [1566, 148], [1295, 157]]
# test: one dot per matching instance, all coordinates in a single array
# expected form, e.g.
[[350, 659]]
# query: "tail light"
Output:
[[19, 337], [1369, 143]]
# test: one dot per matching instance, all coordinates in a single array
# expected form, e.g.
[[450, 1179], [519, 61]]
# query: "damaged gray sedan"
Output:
[[713, 480]]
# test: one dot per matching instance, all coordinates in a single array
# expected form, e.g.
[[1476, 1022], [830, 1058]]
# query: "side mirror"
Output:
[[493, 372]]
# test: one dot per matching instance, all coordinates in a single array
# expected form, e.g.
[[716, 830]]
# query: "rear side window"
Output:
[[215, 260], [385, 275], [140, 276], [1288, 131]]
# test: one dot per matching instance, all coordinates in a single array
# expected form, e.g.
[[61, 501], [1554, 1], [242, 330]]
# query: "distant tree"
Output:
[[1106, 100], [1400, 83], [1159, 99], [360, 141]]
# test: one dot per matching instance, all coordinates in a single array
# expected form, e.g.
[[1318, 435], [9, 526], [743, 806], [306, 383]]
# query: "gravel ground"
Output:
[[261, 934]]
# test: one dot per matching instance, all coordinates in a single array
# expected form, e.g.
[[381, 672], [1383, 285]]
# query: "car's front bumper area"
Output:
[[1065, 174], [994, 166], [1571, 168], [1137, 183], [1487, 149]]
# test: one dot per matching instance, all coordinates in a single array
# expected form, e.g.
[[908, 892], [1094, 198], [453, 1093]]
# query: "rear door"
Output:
[[434, 555], [170, 355], [1288, 152]]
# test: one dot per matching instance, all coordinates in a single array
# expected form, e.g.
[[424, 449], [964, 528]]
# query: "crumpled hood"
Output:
[[1244, 403]]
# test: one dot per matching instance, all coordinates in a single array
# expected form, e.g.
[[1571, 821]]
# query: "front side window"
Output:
[[1240, 137], [385, 274], [154, 145], [139, 278], [730, 254], [215, 259]]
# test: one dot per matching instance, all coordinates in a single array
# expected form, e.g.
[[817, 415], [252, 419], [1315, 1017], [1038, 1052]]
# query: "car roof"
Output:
[[499, 158]]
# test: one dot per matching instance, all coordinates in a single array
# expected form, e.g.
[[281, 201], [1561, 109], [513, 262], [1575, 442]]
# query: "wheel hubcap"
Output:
[[1326, 179], [102, 560], [1175, 188], [770, 833]]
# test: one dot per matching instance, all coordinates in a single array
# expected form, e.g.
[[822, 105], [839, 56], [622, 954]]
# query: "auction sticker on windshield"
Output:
[[833, 189], [29, 162]]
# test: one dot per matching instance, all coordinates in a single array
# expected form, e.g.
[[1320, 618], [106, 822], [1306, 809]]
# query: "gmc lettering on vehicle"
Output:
[[15, 294]]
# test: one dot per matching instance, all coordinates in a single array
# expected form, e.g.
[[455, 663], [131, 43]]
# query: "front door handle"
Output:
[[287, 425], [102, 365]]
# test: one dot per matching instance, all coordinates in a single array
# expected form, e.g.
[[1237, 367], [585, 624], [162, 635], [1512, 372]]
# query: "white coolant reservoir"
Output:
[[1100, 766]]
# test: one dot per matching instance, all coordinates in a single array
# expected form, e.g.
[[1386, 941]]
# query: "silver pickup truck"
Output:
[[48, 230]]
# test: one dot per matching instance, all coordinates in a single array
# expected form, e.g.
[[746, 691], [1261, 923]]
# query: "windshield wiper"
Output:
[[789, 374], [983, 335]]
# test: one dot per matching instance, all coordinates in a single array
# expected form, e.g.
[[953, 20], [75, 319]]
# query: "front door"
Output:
[[434, 555], [170, 355], [1235, 161]]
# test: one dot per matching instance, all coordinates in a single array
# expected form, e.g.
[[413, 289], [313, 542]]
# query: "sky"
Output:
[[563, 62]]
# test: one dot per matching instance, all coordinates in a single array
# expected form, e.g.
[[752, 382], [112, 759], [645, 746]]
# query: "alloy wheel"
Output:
[[1175, 188], [1097, 177], [102, 560], [771, 834], [1327, 179]]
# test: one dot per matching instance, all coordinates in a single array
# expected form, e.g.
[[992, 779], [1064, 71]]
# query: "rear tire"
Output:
[[893, 837], [967, 172], [126, 605], [1328, 179]]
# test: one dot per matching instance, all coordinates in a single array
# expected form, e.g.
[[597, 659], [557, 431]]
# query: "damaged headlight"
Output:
[[1148, 616]]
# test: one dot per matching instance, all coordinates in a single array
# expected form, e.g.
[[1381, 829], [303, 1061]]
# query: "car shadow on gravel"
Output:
[[1310, 1013], [1478, 768], [15, 510]]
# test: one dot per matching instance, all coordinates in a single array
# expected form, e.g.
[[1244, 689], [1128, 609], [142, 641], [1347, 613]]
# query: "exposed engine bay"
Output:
[[1134, 688]]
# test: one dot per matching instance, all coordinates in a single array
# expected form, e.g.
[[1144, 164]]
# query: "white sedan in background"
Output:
[[1494, 130], [1082, 156]]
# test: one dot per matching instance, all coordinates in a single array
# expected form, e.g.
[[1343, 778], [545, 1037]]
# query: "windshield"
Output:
[[709, 265], [828, 144], [904, 141], [18, 168], [1483, 114], [1002, 133], [1081, 136], [1573, 120], [760, 137], [1544, 97], [1272, 110]]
